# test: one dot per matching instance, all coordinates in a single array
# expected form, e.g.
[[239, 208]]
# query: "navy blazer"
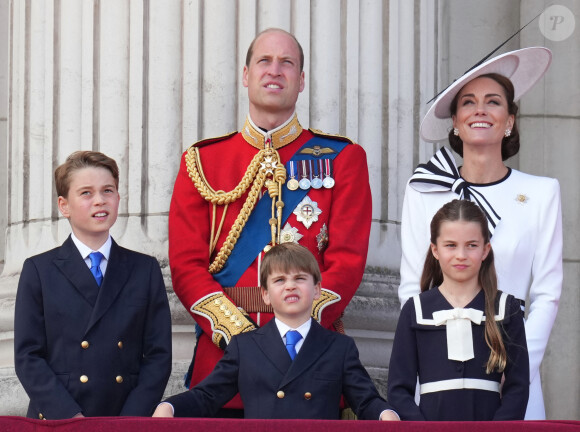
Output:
[[257, 365], [80, 348]]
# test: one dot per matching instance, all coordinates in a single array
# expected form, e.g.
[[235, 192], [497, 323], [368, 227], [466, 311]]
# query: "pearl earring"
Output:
[[508, 132], [455, 131]]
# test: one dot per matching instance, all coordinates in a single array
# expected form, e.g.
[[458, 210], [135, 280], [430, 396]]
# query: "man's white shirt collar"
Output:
[[271, 131], [84, 250]]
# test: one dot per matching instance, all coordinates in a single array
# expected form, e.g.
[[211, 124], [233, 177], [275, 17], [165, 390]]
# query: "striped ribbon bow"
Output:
[[441, 174]]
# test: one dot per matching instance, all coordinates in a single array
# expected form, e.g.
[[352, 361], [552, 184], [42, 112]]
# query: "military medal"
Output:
[[292, 183], [304, 182], [328, 181], [316, 180], [289, 234], [307, 211]]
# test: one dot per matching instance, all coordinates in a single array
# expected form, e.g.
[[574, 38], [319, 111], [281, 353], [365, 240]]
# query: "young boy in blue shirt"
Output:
[[304, 379], [92, 327]]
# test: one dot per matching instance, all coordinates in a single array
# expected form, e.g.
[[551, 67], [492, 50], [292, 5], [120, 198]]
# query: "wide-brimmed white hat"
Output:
[[523, 67]]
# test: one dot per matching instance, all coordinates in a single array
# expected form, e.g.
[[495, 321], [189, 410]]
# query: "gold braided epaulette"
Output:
[[225, 318], [207, 141], [327, 298], [332, 136]]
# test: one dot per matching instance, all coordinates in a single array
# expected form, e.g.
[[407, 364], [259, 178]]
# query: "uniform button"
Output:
[[119, 379], [40, 416], [84, 379], [267, 248], [280, 394], [307, 395], [120, 344], [84, 344]]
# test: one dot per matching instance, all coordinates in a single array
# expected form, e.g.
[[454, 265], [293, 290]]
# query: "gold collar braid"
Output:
[[265, 169], [281, 136]]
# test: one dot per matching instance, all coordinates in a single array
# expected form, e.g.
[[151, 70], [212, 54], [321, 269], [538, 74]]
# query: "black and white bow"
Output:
[[441, 174]]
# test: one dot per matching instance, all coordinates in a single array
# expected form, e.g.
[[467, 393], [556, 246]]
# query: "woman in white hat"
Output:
[[477, 113]]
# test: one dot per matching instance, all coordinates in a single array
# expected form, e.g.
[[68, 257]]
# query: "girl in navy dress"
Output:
[[461, 336]]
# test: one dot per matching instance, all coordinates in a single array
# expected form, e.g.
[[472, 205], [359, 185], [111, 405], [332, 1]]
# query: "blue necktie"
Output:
[[292, 338], [96, 258]]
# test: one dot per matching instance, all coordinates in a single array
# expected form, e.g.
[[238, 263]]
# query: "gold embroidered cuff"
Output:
[[327, 298], [225, 318]]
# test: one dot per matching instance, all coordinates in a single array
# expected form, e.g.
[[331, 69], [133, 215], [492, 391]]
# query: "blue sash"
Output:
[[257, 234]]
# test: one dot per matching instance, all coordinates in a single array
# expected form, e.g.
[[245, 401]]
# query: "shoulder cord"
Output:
[[264, 165]]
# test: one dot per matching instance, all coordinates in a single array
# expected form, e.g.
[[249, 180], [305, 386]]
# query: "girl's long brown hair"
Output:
[[463, 210]]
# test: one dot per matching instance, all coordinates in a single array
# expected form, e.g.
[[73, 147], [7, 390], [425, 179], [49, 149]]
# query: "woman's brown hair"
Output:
[[510, 146]]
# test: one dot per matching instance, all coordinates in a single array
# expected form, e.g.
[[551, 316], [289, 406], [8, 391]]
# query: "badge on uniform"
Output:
[[290, 234], [317, 151], [307, 211], [268, 165], [322, 238]]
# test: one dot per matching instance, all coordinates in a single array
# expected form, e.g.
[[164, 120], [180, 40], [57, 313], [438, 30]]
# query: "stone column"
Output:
[[142, 80], [102, 75], [4, 25]]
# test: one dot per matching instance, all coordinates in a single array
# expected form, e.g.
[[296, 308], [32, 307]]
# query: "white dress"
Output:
[[527, 245]]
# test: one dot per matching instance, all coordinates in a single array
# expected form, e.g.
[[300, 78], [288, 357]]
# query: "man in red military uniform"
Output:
[[272, 182]]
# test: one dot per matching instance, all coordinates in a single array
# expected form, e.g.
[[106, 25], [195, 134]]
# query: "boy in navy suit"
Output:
[[305, 378], [92, 327]]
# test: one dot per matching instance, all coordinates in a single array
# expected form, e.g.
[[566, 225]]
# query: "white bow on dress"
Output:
[[459, 336]]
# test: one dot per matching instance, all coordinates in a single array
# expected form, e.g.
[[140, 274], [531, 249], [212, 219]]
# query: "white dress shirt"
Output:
[[302, 329], [85, 251]]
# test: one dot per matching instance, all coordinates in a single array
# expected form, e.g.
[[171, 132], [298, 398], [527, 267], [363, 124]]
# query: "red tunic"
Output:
[[346, 213]]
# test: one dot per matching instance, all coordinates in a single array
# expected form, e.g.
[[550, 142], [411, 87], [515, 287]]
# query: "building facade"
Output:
[[141, 80]]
